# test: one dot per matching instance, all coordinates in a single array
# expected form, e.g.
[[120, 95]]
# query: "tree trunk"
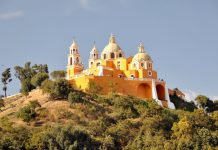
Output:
[[5, 94]]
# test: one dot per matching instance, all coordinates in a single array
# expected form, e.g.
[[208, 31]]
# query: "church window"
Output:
[[105, 56], [71, 61], [142, 64], [120, 55], [150, 73], [112, 55], [150, 65], [98, 64], [91, 63], [134, 65]]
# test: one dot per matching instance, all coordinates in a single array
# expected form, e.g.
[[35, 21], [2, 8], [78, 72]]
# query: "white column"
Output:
[[100, 69], [154, 93], [167, 97]]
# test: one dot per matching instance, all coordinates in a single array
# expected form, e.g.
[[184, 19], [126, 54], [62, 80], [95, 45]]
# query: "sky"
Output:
[[181, 36]]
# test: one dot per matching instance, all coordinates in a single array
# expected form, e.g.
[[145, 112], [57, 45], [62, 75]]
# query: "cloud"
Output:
[[84, 3], [191, 95], [11, 15]]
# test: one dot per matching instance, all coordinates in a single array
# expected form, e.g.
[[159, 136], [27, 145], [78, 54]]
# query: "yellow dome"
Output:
[[111, 47], [112, 50], [142, 56]]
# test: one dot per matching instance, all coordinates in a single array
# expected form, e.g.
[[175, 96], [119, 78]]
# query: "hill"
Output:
[[37, 121]]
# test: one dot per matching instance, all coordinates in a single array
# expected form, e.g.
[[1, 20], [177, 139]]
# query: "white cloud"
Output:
[[191, 95], [10, 15], [84, 3]]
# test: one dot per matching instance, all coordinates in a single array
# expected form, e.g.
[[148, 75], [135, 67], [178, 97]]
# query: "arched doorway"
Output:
[[144, 91], [160, 92]]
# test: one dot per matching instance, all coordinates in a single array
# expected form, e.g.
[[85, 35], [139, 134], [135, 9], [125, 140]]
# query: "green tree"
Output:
[[58, 89], [58, 74], [26, 73], [39, 78], [6, 78], [26, 87], [202, 101]]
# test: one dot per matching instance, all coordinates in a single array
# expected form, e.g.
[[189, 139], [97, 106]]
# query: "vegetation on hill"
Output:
[[60, 117]]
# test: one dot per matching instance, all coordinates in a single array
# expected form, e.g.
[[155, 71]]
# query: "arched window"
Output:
[[71, 61], [150, 65], [150, 73], [142, 64], [134, 65], [112, 55], [120, 55], [105, 56]]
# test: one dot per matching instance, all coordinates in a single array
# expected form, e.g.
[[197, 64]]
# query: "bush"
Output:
[[47, 86], [28, 112], [63, 137], [39, 78], [61, 89], [75, 97], [58, 89]]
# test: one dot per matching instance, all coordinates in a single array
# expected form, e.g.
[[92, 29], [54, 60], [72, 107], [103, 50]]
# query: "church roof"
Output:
[[112, 46]]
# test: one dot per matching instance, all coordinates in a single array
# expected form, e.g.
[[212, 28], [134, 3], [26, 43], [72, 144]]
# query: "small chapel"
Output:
[[133, 76]]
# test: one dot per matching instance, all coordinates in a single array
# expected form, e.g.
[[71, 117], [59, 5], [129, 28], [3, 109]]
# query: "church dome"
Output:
[[112, 48], [141, 55]]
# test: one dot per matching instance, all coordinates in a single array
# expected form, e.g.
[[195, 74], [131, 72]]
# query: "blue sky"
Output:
[[180, 35]]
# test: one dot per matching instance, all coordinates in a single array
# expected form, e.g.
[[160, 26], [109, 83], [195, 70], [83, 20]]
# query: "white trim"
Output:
[[154, 93], [167, 97]]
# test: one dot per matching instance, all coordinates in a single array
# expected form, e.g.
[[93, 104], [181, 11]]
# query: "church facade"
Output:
[[133, 76]]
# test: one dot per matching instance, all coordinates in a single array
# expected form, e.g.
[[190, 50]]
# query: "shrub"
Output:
[[61, 89], [28, 112], [58, 89], [63, 137], [47, 86], [75, 97]]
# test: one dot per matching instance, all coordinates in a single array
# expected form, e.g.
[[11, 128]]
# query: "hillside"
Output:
[[103, 122]]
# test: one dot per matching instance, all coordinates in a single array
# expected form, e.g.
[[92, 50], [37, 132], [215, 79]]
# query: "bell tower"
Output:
[[74, 65], [93, 56]]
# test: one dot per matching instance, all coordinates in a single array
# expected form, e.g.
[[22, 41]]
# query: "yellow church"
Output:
[[133, 76]]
